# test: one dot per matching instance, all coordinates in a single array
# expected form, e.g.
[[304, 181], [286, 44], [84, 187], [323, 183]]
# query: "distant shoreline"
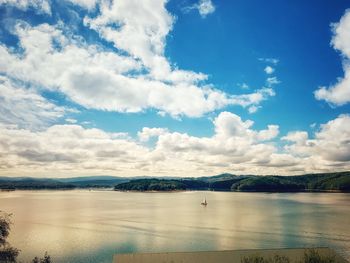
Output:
[[243, 255], [172, 191], [338, 182]]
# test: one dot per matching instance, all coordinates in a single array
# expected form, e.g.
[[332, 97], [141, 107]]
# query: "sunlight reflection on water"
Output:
[[90, 226]]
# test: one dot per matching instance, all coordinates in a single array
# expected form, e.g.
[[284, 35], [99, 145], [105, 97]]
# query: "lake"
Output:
[[91, 226]]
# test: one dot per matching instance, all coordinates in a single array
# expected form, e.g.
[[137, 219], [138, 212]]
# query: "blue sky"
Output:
[[185, 88]]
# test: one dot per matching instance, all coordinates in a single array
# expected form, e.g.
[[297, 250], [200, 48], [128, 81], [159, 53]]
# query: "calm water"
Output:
[[91, 226]]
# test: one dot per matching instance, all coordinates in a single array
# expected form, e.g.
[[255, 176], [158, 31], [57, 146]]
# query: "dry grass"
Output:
[[310, 256]]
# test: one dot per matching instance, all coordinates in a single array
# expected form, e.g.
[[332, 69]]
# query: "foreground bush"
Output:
[[310, 256], [260, 259], [9, 254]]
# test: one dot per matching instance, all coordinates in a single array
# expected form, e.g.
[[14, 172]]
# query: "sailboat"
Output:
[[204, 202]]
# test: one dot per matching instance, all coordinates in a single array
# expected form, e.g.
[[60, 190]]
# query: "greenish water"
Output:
[[91, 226]]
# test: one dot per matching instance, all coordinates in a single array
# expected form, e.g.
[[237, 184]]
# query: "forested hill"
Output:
[[224, 182], [249, 183], [162, 185]]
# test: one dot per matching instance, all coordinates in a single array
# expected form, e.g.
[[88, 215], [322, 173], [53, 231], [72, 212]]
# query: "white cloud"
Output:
[[273, 61], [269, 134], [79, 150], [140, 28], [330, 145], [87, 4], [298, 137], [252, 99], [341, 37], [269, 70], [313, 125], [100, 79], [235, 146], [205, 7], [272, 81], [147, 133], [41, 6], [339, 93], [70, 120], [243, 85], [24, 107], [72, 148], [253, 109]]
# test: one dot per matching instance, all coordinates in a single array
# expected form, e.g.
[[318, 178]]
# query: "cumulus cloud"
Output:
[[108, 81], [139, 28], [269, 70], [70, 120], [68, 147], [340, 40], [243, 85], [204, 8], [71, 147], [41, 6], [87, 4], [252, 99], [235, 146], [273, 61], [271, 81], [253, 109], [147, 133], [25, 107], [330, 145], [339, 93]]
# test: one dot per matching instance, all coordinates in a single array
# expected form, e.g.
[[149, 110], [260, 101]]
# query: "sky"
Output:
[[174, 88]]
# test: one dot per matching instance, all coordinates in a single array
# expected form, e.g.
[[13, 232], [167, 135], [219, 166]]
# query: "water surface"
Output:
[[91, 226]]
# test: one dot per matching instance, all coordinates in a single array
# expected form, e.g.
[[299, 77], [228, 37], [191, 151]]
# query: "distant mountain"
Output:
[[155, 184], [151, 185], [247, 183], [61, 183], [94, 181], [223, 182], [90, 178], [33, 183], [309, 182], [220, 177]]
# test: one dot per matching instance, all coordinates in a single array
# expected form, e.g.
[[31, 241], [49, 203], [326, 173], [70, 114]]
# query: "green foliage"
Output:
[[9, 254], [34, 184], [267, 184], [195, 184], [223, 185], [333, 181], [314, 182], [223, 182], [310, 256], [45, 259], [260, 259], [5, 226], [152, 185]]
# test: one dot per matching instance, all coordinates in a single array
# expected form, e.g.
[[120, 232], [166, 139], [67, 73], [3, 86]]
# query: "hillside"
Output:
[[26, 183], [161, 185], [224, 182], [249, 183]]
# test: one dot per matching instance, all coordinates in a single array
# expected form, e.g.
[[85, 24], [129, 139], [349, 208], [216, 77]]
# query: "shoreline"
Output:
[[294, 255], [170, 191]]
